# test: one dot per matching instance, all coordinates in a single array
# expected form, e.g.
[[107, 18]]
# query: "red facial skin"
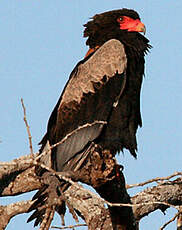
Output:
[[129, 24], [126, 23]]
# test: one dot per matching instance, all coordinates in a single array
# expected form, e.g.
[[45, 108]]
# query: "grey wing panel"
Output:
[[75, 141], [108, 60]]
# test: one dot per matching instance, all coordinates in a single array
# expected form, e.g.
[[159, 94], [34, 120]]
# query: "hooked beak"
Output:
[[141, 28], [144, 30]]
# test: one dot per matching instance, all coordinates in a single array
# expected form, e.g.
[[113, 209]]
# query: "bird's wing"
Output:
[[87, 100]]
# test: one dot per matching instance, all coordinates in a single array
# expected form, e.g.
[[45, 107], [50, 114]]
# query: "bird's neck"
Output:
[[135, 43]]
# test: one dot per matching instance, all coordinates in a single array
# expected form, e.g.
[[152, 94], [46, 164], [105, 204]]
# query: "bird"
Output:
[[100, 103]]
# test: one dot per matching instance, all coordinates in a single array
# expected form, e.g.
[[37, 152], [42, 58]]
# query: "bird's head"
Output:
[[112, 24], [131, 24]]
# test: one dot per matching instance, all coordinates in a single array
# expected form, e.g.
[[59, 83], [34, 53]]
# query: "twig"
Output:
[[27, 126], [154, 180], [70, 226], [141, 204], [170, 221]]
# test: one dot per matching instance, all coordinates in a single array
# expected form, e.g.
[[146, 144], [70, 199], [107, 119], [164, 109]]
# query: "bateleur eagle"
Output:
[[100, 103]]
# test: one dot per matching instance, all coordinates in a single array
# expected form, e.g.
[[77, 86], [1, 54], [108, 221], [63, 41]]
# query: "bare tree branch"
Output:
[[27, 126], [157, 179], [169, 192], [24, 180], [70, 226], [9, 211], [18, 164], [170, 221]]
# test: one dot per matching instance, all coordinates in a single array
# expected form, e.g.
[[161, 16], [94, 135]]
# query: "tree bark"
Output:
[[19, 177]]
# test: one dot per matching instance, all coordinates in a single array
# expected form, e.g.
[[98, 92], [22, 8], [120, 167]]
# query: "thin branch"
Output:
[[157, 179], [141, 204], [170, 221], [70, 226], [27, 126]]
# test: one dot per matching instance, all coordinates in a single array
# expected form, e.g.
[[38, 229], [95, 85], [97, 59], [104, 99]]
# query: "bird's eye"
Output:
[[120, 19]]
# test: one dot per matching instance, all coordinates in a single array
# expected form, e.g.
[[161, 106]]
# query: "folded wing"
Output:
[[86, 103]]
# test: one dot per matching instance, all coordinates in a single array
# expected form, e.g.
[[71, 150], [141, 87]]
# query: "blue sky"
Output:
[[40, 43]]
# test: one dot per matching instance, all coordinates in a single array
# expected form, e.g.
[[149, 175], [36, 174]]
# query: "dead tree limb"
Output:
[[169, 192], [22, 178], [9, 211]]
